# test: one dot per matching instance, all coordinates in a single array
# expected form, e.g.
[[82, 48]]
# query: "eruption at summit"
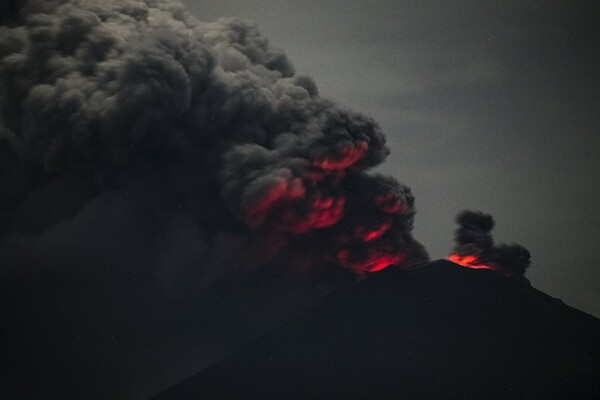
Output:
[[475, 247], [204, 124], [170, 188], [150, 161], [468, 262]]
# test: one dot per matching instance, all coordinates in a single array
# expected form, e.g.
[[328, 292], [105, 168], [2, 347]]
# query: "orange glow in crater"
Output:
[[468, 262]]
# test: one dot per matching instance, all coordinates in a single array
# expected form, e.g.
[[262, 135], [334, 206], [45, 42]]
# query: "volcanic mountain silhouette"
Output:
[[437, 331]]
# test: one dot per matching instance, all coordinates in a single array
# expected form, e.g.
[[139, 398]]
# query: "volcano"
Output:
[[436, 330]]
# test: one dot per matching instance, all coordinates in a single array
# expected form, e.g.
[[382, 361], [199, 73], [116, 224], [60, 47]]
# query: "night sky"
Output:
[[155, 214], [490, 106]]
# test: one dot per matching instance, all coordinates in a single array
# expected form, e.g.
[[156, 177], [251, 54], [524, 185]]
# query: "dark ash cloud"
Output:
[[158, 174], [203, 121], [473, 238]]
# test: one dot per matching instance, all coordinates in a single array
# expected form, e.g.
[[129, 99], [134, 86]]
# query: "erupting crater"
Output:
[[469, 262]]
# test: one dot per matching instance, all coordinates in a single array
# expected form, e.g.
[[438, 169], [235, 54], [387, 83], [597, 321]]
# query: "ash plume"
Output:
[[166, 175], [473, 238], [203, 127]]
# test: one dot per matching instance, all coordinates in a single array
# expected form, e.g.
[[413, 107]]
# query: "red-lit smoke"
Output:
[[359, 221], [468, 262], [205, 127], [475, 247]]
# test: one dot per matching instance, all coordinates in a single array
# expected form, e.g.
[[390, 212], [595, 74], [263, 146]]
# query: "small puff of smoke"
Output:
[[473, 238]]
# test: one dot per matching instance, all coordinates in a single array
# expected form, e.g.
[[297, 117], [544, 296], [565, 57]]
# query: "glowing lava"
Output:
[[468, 262]]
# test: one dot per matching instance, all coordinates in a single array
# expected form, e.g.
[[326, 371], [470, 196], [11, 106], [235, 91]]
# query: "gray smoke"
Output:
[[167, 176], [473, 238], [202, 124]]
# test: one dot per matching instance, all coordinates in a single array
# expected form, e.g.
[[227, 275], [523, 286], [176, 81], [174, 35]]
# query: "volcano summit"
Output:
[[437, 330]]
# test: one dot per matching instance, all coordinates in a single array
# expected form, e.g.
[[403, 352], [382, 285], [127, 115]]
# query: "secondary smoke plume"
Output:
[[475, 246], [202, 126]]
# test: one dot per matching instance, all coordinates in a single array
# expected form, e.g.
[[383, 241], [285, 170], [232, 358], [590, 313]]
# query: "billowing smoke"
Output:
[[473, 239], [203, 124], [160, 174]]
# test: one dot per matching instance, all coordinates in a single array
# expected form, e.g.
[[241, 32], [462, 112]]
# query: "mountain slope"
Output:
[[437, 331]]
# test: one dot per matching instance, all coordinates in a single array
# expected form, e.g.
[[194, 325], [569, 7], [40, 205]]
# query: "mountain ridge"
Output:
[[437, 330]]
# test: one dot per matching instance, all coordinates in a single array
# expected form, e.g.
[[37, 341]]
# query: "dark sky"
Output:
[[169, 190], [486, 105]]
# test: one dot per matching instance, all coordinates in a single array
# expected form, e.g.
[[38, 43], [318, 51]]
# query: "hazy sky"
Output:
[[486, 105]]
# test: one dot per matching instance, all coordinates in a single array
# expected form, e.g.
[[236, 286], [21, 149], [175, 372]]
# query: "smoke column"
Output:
[[475, 246], [203, 123], [145, 156]]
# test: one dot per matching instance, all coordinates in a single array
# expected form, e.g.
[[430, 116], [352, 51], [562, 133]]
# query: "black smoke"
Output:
[[473, 238], [161, 180]]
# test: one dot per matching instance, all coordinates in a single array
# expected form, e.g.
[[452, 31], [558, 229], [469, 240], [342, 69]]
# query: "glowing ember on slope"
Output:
[[469, 262]]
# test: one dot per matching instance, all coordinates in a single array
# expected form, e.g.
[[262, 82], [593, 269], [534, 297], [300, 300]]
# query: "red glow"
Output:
[[381, 264], [375, 260], [468, 262], [344, 157], [377, 233], [389, 203], [316, 213], [289, 205], [282, 189]]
